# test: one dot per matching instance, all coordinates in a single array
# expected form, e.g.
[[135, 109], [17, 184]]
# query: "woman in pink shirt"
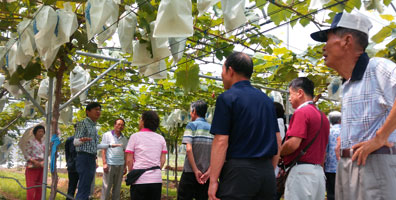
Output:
[[147, 149], [34, 166]]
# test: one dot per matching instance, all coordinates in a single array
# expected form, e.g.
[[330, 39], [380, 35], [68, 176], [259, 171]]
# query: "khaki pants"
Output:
[[112, 179], [305, 182], [374, 181]]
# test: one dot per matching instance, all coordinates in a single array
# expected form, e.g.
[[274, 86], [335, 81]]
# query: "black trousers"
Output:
[[73, 180], [150, 191], [189, 188], [330, 185], [247, 179]]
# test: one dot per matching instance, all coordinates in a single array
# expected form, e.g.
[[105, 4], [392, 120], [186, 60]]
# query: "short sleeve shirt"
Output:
[[247, 116], [331, 159], [34, 151], [115, 156], [197, 134], [304, 124], [368, 97], [147, 147]]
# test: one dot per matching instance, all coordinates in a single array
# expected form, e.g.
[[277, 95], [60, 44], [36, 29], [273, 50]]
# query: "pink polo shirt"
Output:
[[147, 147]]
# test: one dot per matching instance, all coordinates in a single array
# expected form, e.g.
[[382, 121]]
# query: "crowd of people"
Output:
[[235, 157]]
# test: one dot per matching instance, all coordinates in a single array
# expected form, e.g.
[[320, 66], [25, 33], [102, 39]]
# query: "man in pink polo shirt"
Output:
[[147, 149]]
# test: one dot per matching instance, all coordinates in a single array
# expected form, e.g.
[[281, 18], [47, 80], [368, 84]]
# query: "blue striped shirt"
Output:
[[197, 134], [368, 97]]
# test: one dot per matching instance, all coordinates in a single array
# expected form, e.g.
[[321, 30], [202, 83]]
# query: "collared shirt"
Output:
[[197, 134], [248, 116], [368, 97], [34, 151], [114, 156], [331, 159], [147, 148], [87, 128]]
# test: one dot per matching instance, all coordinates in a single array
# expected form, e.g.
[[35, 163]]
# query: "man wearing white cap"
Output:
[[367, 166]]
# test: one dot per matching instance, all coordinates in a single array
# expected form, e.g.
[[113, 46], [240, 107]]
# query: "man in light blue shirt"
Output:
[[368, 110], [331, 160], [113, 161]]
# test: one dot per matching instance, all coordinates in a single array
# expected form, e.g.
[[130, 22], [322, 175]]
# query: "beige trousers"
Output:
[[112, 180], [374, 181]]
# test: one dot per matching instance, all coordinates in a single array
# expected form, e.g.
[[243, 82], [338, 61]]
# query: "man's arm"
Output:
[[275, 158], [290, 146], [363, 149], [105, 167], [217, 158], [191, 160]]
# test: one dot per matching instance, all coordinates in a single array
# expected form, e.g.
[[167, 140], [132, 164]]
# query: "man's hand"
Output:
[[105, 168], [205, 177], [198, 175], [115, 145], [85, 139], [338, 148], [363, 149], [213, 186]]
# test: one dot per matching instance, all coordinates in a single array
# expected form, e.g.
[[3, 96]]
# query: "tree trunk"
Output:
[[54, 122]]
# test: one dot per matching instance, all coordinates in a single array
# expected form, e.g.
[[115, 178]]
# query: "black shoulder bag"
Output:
[[134, 175], [283, 172]]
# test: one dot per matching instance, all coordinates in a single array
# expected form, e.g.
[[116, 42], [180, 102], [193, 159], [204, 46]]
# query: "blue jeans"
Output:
[[86, 168]]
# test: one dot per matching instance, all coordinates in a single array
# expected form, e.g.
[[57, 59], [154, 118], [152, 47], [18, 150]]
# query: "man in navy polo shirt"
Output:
[[246, 137]]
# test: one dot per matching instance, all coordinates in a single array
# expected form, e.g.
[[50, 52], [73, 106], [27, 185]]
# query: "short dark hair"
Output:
[[36, 128], [280, 112], [361, 38], [92, 105], [303, 83], [150, 120], [200, 107], [240, 63], [115, 121]]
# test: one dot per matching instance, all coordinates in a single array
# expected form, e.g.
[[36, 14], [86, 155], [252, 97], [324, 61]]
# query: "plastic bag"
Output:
[[26, 37], [141, 56], [11, 56], [276, 97], [3, 101], [156, 70], [5, 149], [110, 27], [174, 19], [13, 90], [233, 13], [209, 114], [2, 79], [28, 110], [67, 25], [21, 58], [160, 46], [44, 27], [204, 5], [126, 29], [97, 12], [334, 89], [79, 78], [43, 88], [177, 46], [66, 115]]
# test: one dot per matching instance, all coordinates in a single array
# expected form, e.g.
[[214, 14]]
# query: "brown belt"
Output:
[[348, 153]]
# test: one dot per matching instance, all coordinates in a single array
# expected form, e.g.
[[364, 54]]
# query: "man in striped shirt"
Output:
[[198, 140], [86, 141]]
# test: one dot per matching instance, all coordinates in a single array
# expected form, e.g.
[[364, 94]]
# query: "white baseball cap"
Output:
[[345, 20]]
